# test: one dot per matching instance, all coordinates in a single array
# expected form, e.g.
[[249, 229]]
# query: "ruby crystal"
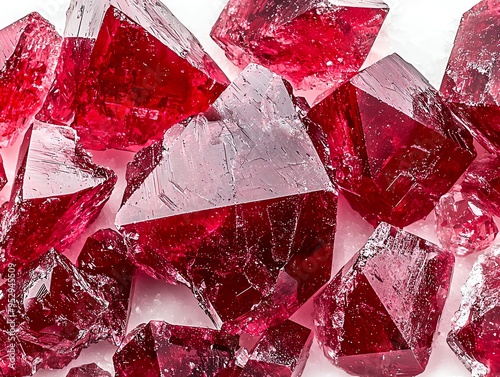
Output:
[[144, 72], [88, 370], [379, 315], [472, 79], [29, 50], [160, 349], [282, 351], [313, 43], [394, 145], [462, 225], [3, 176], [475, 328], [239, 208], [58, 191]]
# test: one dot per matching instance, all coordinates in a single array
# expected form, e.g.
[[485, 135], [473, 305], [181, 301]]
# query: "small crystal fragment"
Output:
[[475, 326], [394, 146], [58, 191], [379, 315], [462, 225], [313, 44], [472, 78], [3, 176], [88, 370], [161, 349], [239, 207], [28, 56]]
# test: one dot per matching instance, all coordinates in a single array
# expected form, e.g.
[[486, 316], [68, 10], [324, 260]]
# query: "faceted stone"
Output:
[[128, 74], [160, 349], [378, 316], [28, 56], [474, 334], [58, 191], [472, 79], [88, 370], [393, 145], [462, 225], [105, 260], [239, 208], [282, 351], [313, 44]]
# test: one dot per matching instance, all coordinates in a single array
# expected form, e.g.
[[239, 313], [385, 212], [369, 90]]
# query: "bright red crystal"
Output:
[[160, 349], [379, 315], [3, 176], [282, 351], [474, 334], [394, 145], [239, 208], [144, 72], [58, 191], [313, 43], [88, 370], [472, 79], [29, 50]]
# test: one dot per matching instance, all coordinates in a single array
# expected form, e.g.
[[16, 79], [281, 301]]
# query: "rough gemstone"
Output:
[[105, 260], [394, 145], [88, 370], [472, 79], [313, 44], [160, 349], [58, 191], [462, 225], [3, 175], [28, 56], [239, 208], [475, 326], [282, 351], [379, 315], [144, 72]]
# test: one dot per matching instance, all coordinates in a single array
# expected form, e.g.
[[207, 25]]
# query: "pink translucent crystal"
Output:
[[313, 43], [394, 146], [472, 79], [462, 225], [28, 56], [475, 326], [58, 191], [239, 207], [160, 349], [88, 370], [379, 315]]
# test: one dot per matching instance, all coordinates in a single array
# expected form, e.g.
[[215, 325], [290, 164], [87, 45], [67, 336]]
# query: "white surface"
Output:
[[422, 32]]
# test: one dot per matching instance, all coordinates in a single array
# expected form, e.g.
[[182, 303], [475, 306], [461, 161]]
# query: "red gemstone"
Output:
[[88, 370], [282, 351], [144, 73], [58, 191], [239, 208], [3, 176], [394, 145], [313, 44], [160, 349], [379, 315], [30, 48], [475, 326], [472, 79]]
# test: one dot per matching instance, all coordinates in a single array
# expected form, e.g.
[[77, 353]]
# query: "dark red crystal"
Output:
[[88, 370]]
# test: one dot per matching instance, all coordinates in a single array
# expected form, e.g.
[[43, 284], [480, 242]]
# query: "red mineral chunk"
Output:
[[88, 370], [3, 176]]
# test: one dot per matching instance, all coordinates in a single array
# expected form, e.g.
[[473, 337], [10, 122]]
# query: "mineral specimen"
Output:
[[313, 44], [160, 349], [144, 72], [379, 314], [88, 370], [395, 146], [475, 329], [281, 352], [58, 191], [471, 82], [462, 225], [3, 176], [239, 208], [28, 56]]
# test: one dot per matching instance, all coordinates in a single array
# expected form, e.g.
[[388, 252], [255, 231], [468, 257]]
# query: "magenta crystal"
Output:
[[239, 208], [88, 370], [379, 315], [3, 176]]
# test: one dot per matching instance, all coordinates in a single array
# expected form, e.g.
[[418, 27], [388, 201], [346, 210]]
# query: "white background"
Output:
[[422, 32]]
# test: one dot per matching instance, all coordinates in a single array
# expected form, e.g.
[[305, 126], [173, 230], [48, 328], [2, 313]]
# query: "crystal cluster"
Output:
[[394, 145], [88, 370], [379, 315]]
